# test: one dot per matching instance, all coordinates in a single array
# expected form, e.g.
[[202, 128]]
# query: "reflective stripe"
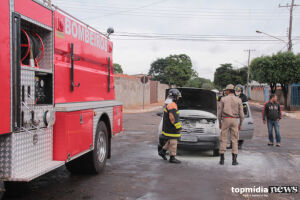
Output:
[[171, 134], [177, 125], [165, 110]]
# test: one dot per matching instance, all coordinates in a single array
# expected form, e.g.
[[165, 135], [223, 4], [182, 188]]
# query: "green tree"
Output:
[[199, 82], [173, 70], [117, 68], [225, 75], [285, 68], [262, 70], [208, 86], [282, 68]]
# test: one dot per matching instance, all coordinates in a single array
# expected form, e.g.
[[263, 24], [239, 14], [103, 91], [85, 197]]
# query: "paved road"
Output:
[[136, 172]]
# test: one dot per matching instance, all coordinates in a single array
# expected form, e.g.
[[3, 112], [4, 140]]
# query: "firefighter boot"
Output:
[[174, 160], [234, 159], [222, 158], [162, 153]]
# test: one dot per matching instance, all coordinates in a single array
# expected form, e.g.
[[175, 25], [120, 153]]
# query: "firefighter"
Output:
[[230, 109], [171, 126], [239, 93]]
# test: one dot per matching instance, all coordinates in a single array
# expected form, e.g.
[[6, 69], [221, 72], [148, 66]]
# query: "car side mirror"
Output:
[[160, 114]]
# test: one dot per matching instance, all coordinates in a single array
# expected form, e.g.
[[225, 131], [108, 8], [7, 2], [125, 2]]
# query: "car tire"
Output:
[[93, 162], [240, 144], [216, 152]]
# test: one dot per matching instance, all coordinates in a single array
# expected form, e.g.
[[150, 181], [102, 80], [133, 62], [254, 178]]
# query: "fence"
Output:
[[295, 95], [261, 93]]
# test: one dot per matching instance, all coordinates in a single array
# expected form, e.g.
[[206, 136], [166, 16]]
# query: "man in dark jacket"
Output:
[[272, 114]]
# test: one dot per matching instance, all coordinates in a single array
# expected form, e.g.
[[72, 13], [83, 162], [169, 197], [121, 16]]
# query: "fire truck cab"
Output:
[[57, 100]]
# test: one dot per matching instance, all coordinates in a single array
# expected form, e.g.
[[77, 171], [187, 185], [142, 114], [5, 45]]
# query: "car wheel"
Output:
[[240, 143], [216, 152], [94, 161]]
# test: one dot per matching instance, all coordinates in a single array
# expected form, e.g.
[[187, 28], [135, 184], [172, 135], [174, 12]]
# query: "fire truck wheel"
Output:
[[100, 151]]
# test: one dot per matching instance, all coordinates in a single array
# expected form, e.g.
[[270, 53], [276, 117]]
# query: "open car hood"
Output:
[[197, 99], [196, 114]]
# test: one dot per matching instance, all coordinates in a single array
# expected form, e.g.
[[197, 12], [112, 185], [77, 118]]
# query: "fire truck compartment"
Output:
[[36, 44], [82, 61], [73, 134]]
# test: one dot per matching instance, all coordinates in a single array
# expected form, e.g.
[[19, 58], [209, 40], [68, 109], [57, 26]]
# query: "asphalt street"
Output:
[[136, 172]]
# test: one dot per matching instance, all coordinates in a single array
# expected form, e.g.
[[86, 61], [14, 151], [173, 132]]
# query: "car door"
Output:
[[247, 126]]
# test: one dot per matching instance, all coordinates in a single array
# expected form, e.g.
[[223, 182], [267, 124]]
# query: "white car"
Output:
[[198, 117]]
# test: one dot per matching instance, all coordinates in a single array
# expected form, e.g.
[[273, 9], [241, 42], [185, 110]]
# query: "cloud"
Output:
[[230, 17]]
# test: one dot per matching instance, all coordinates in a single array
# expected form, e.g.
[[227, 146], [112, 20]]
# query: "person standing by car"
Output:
[[239, 93], [171, 126], [230, 109], [272, 113]]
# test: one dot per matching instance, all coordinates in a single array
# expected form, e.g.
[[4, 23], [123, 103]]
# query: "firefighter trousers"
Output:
[[171, 146], [229, 124]]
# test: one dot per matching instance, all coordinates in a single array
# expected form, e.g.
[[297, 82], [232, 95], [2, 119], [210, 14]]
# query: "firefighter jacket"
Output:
[[169, 129]]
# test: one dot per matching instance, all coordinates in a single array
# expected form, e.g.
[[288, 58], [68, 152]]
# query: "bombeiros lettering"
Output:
[[83, 34]]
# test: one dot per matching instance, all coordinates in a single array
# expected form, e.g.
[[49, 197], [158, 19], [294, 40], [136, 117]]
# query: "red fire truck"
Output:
[[57, 92]]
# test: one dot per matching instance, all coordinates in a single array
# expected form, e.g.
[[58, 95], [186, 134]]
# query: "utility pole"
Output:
[[291, 7], [249, 56]]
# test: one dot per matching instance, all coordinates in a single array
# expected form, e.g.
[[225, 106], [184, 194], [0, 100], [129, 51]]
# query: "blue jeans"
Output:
[[274, 124]]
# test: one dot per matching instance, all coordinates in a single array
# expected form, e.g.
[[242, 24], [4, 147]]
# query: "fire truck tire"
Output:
[[100, 152], [94, 161]]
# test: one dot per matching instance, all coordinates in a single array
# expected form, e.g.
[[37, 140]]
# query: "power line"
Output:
[[176, 13], [209, 37], [159, 10], [181, 15], [140, 7], [264, 10]]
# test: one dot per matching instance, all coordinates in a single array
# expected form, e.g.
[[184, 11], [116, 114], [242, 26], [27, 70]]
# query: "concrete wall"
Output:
[[161, 92], [129, 91], [257, 93]]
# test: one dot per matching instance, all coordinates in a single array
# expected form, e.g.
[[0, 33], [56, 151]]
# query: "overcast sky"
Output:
[[207, 19]]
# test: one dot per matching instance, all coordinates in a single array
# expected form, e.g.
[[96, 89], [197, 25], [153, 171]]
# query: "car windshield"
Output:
[[197, 99]]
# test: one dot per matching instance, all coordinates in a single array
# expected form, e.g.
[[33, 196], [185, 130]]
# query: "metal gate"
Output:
[[295, 95], [153, 91], [267, 93]]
